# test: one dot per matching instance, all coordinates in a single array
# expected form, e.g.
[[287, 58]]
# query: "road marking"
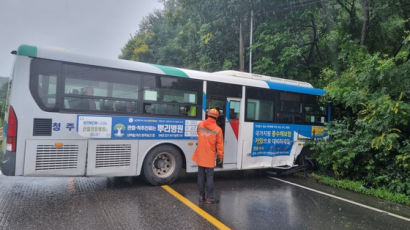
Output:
[[343, 199], [197, 209]]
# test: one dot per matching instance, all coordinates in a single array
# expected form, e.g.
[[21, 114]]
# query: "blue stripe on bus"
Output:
[[204, 102], [295, 88], [227, 110]]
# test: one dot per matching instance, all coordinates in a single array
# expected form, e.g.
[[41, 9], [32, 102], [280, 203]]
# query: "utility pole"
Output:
[[241, 56], [250, 43]]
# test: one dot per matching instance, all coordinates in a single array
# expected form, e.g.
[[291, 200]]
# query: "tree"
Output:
[[359, 50]]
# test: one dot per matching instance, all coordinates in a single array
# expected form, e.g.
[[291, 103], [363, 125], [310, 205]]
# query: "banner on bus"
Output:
[[119, 127], [272, 140]]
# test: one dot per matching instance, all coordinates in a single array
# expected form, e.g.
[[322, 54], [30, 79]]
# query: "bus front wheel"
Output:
[[162, 165]]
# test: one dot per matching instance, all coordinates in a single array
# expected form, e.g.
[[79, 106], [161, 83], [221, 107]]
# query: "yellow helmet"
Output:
[[213, 113]]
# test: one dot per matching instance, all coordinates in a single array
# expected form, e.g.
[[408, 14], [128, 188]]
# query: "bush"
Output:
[[372, 144]]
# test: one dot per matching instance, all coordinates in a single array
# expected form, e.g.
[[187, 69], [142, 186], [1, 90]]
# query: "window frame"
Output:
[[246, 104], [61, 95], [34, 84], [305, 99], [59, 68], [198, 91]]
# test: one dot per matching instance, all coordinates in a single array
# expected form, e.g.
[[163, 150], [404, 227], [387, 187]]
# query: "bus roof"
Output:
[[231, 77]]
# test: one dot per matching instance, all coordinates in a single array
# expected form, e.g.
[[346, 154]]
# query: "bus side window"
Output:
[[107, 105], [148, 108], [192, 111], [47, 89], [232, 114], [73, 102], [87, 103], [120, 106], [187, 110]]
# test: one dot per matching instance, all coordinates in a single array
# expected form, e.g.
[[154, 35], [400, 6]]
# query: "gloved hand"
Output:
[[220, 160]]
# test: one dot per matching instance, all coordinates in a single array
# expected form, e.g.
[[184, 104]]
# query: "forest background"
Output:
[[357, 50]]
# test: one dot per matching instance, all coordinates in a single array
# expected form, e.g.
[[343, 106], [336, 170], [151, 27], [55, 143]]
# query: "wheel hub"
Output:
[[163, 164], [160, 163]]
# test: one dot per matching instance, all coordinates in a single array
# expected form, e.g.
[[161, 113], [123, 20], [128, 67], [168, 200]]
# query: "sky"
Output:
[[91, 27]]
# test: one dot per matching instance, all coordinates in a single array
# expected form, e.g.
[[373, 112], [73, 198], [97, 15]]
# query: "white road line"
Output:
[[343, 199]]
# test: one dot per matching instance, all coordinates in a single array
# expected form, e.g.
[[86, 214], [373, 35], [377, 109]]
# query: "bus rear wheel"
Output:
[[162, 165]]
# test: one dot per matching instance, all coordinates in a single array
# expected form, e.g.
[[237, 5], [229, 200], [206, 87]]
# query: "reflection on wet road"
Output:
[[248, 200]]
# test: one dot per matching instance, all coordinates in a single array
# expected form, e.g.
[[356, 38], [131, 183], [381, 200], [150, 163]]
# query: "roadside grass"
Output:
[[358, 186]]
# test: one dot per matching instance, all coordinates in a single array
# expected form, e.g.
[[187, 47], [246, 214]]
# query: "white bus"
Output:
[[72, 115]]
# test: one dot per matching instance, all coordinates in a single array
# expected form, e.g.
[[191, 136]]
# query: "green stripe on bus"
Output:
[[172, 71], [26, 50]]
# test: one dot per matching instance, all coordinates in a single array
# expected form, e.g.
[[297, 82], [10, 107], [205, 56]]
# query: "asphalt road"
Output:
[[248, 200]]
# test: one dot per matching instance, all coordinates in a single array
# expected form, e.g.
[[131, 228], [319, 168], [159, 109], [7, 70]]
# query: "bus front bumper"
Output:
[[8, 166]]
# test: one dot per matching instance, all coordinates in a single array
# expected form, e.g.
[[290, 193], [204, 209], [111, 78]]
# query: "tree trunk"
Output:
[[350, 8], [365, 6], [241, 49]]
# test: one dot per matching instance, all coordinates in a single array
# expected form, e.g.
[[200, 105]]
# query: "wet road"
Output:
[[248, 200]]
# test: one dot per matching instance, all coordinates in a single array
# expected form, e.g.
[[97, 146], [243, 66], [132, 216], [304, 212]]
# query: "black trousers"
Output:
[[206, 177]]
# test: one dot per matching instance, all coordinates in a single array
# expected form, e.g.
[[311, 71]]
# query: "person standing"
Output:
[[210, 146]]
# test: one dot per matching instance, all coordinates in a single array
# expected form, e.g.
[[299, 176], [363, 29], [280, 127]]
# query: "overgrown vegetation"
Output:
[[359, 187], [358, 50]]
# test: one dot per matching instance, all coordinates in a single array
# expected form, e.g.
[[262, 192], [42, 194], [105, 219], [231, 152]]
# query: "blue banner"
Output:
[[271, 139], [277, 139]]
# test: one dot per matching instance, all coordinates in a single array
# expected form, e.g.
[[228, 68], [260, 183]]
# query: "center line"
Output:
[[196, 209]]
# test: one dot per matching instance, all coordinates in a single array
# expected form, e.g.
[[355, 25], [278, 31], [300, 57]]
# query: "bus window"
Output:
[[217, 94], [259, 104], [192, 111], [259, 110], [89, 88], [314, 113], [44, 75], [234, 109], [162, 109], [171, 96], [188, 110], [125, 91], [150, 95], [47, 90], [107, 105], [219, 103], [290, 110]]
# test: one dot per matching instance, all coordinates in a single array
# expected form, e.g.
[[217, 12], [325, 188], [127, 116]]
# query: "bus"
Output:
[[74, 115]]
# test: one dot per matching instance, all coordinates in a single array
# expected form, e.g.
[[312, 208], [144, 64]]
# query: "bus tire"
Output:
[[162, 165], [304, 158]]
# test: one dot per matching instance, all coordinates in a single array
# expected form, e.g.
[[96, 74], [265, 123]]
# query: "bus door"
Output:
[[231, 133], [225, 122], [220, 104]]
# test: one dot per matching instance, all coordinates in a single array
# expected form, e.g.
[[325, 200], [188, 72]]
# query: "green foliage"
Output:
[[289, 45], [365, 70], [373, 143], [359, 187]]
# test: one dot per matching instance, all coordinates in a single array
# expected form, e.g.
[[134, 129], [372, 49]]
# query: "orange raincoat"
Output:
[[210, 143]]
